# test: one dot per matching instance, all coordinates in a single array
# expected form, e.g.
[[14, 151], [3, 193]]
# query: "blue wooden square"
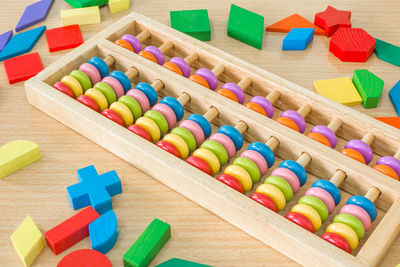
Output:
[[298, 39]]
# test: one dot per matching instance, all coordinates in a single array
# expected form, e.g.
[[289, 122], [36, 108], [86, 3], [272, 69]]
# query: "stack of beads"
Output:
[[133, 43], [360, 150], [264, 105], [295, 119], [208, 78], [326, 134], [180, 65], [233, 91], [389, 165]]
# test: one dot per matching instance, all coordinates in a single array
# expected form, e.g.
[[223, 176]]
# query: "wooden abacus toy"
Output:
[[239, 194]]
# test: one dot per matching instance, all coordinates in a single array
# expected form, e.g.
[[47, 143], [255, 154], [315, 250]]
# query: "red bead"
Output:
[[300, 220], [112, 115], [264, 200], [231, 182], [62, 87], [199, 163], [87, 101], [140, 131], [167, 146], [337, 240]]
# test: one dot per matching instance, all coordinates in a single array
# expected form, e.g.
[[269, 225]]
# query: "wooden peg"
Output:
[[304, 159], [244, 83], [338, 177], [157, 85], [144, 35], [211, 114], [397, 154], [372, 193], [241, 127], [273, 96], [335, 124], [109, 60], [131, 73], [191, 58], [368, 138], [304, 110], [184, 99], [272, 142], [165, 47], [218, 70]]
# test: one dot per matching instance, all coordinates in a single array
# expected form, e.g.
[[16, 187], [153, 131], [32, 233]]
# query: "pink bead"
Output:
[[323, 195], [195, 129], [167, 112], [289, 176], [258, 159], [141, 98], [359, 213], [92, 72], [226, 142], [115, 84]]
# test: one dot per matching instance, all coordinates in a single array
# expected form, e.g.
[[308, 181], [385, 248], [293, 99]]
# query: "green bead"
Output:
[[132, 104], [217, 149], [250, 167], [159, 119], [107, 91], [316, 204], [351, 221], [82, 78], [187, 136], [282, 184]]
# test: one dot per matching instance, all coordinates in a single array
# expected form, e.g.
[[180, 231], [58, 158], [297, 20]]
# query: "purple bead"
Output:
[[209, 76], [234, 88], [391, 162], [157, 53], [182, 64], [265, 104], [297, 118], [137, 47], [364, 149], [328, 133]]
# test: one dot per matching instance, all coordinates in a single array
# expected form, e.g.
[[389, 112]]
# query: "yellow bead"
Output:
[[273, 193], [241, 175], [74, 84], [151, 127], [310, 213], [98, 97], [179, 143], [208, 157], [123, 111], [344, 231]]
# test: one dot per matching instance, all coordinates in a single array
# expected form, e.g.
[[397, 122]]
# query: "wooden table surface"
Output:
[[197, 234]]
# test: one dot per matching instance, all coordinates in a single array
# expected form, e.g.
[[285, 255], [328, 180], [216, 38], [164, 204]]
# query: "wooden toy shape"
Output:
[[392, 121], [64, 38], [81, 16], [174, 262], [17, 154], [369, 86], [148, 244], [86, 3], [192, 22], [23, 67], [103, 232], [341, 90], [33, 14], [352, 44], [386, 52], [298, 39], [27, 241], [94, 189], [70, 231], [85, 258], [22, 43], [4, 38], [118, 5], [332, 19], [394, 95], [293, 21], [246, 26]]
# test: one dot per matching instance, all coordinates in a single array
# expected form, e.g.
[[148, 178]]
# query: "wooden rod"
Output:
[[273, 96], [157, 85], [304, 110], [304, 159], [338, 177], [372, 193], [143, 36], [244, 83], [132, 72], [397, 155], [335, 124], [191, 58], [368, 138], [165, 47], [272, 142], [109, 60], [211, 114], [184, 99], [241, 127], [218, 70]]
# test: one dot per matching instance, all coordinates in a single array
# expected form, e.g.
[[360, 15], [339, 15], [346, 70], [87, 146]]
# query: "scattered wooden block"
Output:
[[70, 231], [394, 95], [118, 5], [81, 16], [192, 22], [103, 232], [86, 3], [293, 21], [4, 38], [84, 258], [64, 38], [298, 39], [369, 86], [341, 90], [332, 19], [17, 154], [392, 121], [33, 14], [246, 26], [174, 262], [386, 52], [23, 67], [27, 241], [148, 244]]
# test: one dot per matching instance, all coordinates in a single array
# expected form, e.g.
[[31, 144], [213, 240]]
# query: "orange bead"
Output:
[[228, 94], [200, 80], [386, 170], [288, 123], [319, 138], [354, 154], [256, 107], [173, 67], [124, 44], [148, 56]]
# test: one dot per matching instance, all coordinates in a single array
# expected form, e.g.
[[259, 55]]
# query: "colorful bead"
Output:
[[112, 115], [241, 175], [328, 133], [288, 123], [228, 94], [175, 105], [195, 129], [89, 102], [62, 87], [151, 127], [168, 113], [250, 167], [310, 213], [258, 159], [73, 84], [359, 213], [107, 91], [167, 146], [330, 187], [148, 55], [256, 107], [91, 72], [141, 98], [233, 134], [115, 85], [179, 143], [264, 150], [267, 106], [82, 78], [351, 221], [360, 146], [226, 142], [187, 136], [123, 111], [337, 240], [199, 80], [125, 44], [316, 204], [100, 65], [133, 41], [386, 170], [323, 195], [172, 67], [364, 203], [200, 164], [354, 154], [300, 220], [264, 200], [282, 184], [159, 119], [319, 138], [289, 176], [98, 97], [390, 161], [149, 91], [157, 53], [140, 131], [296, 117], [273, 193], [182, 64], [231, 182], [132, 104], [123, 79], [296, 168], [344, 231], [217, 149], [209, 76], [208, 157], [204, 124], [234, 88]]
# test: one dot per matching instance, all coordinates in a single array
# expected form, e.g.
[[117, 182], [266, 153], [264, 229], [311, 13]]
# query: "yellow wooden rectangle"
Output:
[[341, 90], [81, 16]]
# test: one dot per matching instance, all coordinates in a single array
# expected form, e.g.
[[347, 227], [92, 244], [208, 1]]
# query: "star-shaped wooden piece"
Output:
[[332, 19]]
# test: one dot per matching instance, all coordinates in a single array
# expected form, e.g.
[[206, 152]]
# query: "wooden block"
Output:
[[246, 26], [17, 154], [70, 231], [27, 241], [4, 38], [341, 90], [148, 244], [118, 5], [33, 14], [332, 19], [392, 121], [293, 21], [86, 3], [103, 232], [23, 67], [394, 95], [369, 86], [174, 262], [298, 39], [192, 22], [84, 258], [81, 16], [387, 52], [64, 38]]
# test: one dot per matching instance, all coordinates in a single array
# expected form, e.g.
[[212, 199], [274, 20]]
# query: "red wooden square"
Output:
[[23, 67], [64, 38]]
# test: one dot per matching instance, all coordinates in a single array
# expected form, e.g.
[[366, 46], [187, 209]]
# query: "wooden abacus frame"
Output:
[[265, 225]]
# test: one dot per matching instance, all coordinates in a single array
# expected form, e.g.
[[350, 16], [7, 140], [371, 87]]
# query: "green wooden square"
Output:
[[246, 26], [192, 22], [86, 3], [369, 86]]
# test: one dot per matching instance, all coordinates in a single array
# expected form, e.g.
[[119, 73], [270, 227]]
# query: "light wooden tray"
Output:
[[271, 228]]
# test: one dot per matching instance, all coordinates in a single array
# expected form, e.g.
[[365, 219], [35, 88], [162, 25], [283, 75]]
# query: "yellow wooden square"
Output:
[[118, 5], [341, 90]]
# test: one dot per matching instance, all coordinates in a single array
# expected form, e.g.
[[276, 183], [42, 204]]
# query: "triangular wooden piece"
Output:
[[293, 21]]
